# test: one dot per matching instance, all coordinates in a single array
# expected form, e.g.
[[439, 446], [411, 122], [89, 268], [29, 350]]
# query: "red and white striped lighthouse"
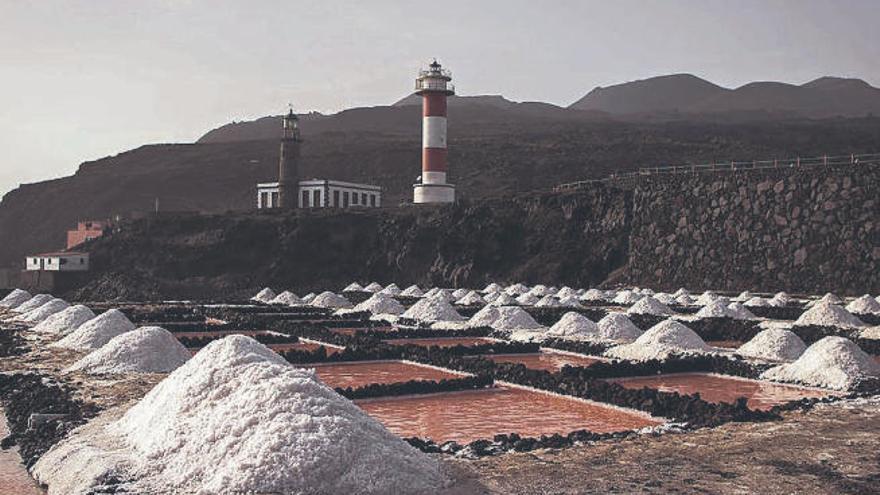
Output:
[[433, 84]]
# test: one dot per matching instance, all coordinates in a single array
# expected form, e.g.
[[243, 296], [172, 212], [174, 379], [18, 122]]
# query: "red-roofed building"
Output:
[[86, 231]]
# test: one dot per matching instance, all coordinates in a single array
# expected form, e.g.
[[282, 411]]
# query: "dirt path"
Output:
[[834, 449]]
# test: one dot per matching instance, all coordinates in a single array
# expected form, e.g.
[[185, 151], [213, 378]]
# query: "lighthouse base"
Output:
[[433, 193]]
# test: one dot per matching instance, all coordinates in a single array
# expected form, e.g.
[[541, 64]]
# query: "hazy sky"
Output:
[[80, 80]]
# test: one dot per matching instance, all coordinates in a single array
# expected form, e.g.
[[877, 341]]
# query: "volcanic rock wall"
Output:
[[780, 229]]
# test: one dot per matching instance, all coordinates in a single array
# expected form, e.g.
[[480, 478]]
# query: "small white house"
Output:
[[322, 193], [58, 262]]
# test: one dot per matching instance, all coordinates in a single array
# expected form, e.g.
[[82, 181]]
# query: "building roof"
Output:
[[58, 254]]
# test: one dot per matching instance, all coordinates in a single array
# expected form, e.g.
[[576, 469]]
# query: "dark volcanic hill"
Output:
[[684, 95]]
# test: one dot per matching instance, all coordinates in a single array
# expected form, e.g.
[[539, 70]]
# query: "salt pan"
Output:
[[832, 362], [143, 350]]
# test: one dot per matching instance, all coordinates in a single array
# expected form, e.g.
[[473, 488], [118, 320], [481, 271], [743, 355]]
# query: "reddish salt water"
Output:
[[352, 331], [725, 344], [547, 361], [303, 346], [441, 342], [362, 373], [249, 333], [467, 416], [712, 388], [14, 478]]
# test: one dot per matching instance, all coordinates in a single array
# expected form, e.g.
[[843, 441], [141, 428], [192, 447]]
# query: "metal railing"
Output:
[[732, 166]]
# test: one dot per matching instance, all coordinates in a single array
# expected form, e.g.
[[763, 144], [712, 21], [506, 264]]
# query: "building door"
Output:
[[336, 199]]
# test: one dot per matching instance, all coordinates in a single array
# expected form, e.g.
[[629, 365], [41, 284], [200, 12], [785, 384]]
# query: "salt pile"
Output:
[[15, 298], [504, 299], [660, 341], [627, 297], [44, 311], [541, 290], [472, 298], [574, 326], [493, 287], [432, 309], [566, 292], [681, 292], [547, 302], [516, 289], [665, 298], [510, 318], [484, 317], [714, 309], [330, 300], [832, 362], [706, 298], [412, 291], [527, 299], [97, 331], [459, 293], [593, 295], [353, 287], [237, 418], [781, 299], [391, 290], [34, 303], [684, 300], [775, 344], [864, 305], [441, 294], [827, 298], [616, 327], [308, 298], [373, 287], [380, 304], [739, 312], [491, 297], [287, 298], [757, 302], [649, 306], [65, 322], [144, 350], [266, 295], [829, 315], [743, 296], [571, 301]]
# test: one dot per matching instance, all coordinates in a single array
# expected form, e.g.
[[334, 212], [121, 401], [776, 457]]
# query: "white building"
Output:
[[58, 262], [322, 193]]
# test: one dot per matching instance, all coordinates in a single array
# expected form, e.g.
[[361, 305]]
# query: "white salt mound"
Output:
[[827, 298], [353, 287], [864, 305], [516, 289], [829, 315], [706, 298], [380, 304], [266, 295], [574, 326], [412, 291], [287, 298], [660, 341], [391, 290], [714, 309], [684, 300], [616, 327], [743, 296], [775, 344], [739, 312], [432, 309], [493, 287], [593, 295], [491, 297], [540, 290], [504, 299], [484, 317], [571, 301], [373, 287], [308, 298], [665, 298], [65, 322], [649, 306], [44, 311], [832, 362], [757, 302], [547, 302], [459, 293], [34, 303], [681, 292], [143, 350], [330, 300], [15, 298], [472, 298], [237, 418], [566, 292], [627, 297], [511, 318], [97, 331]]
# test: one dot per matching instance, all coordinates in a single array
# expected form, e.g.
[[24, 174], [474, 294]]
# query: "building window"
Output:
[[316, 198], [50, 261], [62, 261], [345, 199], [373, 200], [305, 198], [336, 199], [354, 198], [274, 197], [82, 261], [364, 199]]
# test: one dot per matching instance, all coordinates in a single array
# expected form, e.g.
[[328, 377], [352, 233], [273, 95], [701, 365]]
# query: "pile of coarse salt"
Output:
[[308, 298], [649, 306], [412, 291], [780, 299], [503, 299], [391, 290], [459, 293], [46, 310], [330, 300], [827, 298], [743, 296], [566, 292], [865, 305], [33, 303], [510, 318], [684, 300], [287, 298], [757, 302], [97, 331], [527, 299], [65, 322], [665, 298], [570, 301], [574, 326], [617, 328], [739, 312], [715, 309], [832, 362], [493, 287], [548, 302], [491, 296], [627, 297], [827, 314], [472, 298], [143, 350], [593, 295], [516, 289], [15, 298], [774, 344], [373, 287], [353, 287], [681, 292], [659, 342], [266, 295], [484, 317], [237, 418], [431, 309], [380, 304], [710, 297], [541, 290]]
